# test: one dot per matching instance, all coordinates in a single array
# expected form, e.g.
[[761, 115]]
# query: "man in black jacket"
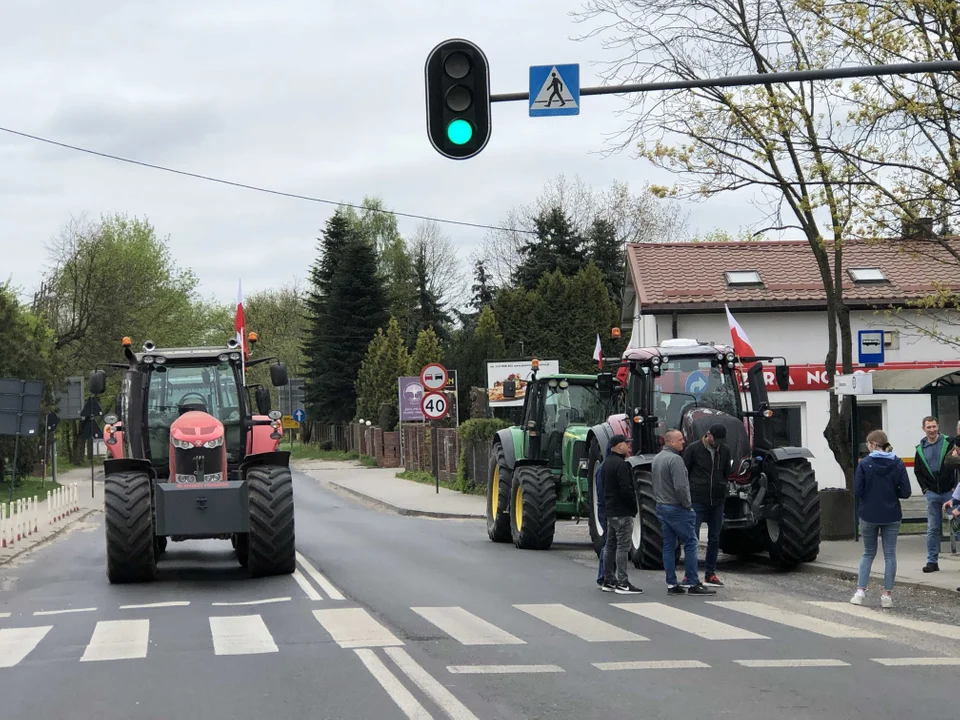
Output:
[[620, 504], [709, 464]]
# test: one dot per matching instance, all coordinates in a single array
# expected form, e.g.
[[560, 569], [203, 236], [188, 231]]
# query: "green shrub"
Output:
[[478, 431]]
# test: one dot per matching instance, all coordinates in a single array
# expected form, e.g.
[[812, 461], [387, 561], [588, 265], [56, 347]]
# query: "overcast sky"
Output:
[[315, 97]]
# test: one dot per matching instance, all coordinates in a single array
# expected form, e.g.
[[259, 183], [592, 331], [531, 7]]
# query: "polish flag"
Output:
[[741, 343], [239, 322], [598, 353]]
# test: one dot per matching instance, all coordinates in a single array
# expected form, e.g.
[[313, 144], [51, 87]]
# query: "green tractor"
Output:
[[538, 469]]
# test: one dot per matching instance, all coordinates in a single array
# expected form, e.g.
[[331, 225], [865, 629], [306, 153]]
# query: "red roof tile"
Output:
[[690, 276]]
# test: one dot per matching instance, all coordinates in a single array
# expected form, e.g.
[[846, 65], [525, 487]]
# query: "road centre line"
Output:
[[4, 615], [811, 662], [147, 606], [651, 665], [404, 699], [305, 586], [917, 661], [265, 601], [319, 578], [444, 699]]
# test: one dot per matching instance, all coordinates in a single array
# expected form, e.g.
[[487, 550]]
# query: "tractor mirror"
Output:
[[509, 388], [605, 383], [278, 374], [263, 400], [783, 377], [97, 382]]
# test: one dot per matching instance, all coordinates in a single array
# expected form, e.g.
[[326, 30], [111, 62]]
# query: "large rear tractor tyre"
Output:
[[533, 508], [795, 538], [128, 522], [499, 483], [598, 530], [271, 541], [649, 555]]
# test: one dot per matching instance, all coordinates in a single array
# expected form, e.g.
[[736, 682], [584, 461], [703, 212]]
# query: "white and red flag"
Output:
[[741, 343], [598, 353]]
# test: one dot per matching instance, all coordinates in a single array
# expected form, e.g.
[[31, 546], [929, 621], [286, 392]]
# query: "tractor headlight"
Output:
[[182, 444], [215, 443]]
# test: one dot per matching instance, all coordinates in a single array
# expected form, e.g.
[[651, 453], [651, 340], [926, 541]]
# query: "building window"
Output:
[[788, 426], [871, 418], [743, 277], [867, 275]]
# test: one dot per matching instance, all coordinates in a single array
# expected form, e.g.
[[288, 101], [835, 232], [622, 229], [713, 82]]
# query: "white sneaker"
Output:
[[858, 597], [886, 601]]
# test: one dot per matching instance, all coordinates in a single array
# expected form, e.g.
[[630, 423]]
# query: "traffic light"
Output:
[[458, 99]]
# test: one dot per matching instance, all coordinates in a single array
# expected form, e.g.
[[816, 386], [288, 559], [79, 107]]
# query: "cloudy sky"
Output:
[[319, 98]]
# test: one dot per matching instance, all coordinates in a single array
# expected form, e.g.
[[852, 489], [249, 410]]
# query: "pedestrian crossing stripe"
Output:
[[356, 628]]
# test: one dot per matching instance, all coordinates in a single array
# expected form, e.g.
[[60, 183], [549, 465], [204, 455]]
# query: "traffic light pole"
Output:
[[760, 79]]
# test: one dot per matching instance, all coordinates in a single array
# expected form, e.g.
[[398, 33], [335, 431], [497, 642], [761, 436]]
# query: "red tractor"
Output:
[[772, 503], [189, 460]]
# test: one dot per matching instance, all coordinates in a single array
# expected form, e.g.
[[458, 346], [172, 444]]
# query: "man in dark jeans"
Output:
[[936, 472], [709, 463], [620, 504]]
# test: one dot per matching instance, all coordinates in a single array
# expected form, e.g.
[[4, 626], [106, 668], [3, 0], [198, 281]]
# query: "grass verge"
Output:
[[26, 488]]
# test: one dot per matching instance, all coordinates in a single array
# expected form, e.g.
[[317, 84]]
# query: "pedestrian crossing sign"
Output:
[[554, 90]]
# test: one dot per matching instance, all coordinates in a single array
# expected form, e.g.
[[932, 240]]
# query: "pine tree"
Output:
[[609, 255], [556, 246], [482, 292], [385, 361], [429, 312], [426, 351], [347, 306]]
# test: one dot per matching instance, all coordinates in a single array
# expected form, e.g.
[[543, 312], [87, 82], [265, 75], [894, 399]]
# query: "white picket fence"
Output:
[[22, 518]]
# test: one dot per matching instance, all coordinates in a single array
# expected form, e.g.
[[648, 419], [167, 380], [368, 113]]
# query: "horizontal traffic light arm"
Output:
[[761, 79]]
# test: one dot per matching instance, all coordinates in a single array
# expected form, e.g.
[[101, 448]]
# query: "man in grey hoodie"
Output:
[[671, 490]]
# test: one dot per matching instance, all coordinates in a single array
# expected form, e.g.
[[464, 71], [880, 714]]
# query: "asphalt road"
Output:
[[392, 617]]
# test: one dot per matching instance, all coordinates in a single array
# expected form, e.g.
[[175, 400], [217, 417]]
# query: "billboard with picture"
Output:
[[500, 371]]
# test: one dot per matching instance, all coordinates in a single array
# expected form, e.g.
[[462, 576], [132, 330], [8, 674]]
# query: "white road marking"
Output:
[[241, 635], [579, 624], [265, 601], [17, 643], [444, 699], [307, 587], [795, 620], [64, 612], [146, 606], [502, 669], [926, 626], [355, 628], [651, 665], [917, 661], [118, 640], [319, 578], [4, 615], [812, 662], [465, 627], [395, 689], [689, 622]]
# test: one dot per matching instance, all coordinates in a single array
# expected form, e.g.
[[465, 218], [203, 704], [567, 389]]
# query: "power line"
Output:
[[295, 196]]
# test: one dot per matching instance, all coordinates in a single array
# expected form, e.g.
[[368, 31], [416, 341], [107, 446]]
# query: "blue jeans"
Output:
[[935, 503], [679, 524], [888, 533], [712, 515]]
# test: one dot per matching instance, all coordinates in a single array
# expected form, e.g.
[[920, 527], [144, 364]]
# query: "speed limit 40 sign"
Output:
[[434, 406]]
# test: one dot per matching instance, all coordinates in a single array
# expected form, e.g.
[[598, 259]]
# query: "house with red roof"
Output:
[[775, 291]]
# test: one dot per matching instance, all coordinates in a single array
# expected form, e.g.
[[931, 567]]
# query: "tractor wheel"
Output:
[[161, 544], [533, 508], [498, 496], [271, 540], [598, 533], [795, 538], [241, 544], [650, 540], [128, 520]]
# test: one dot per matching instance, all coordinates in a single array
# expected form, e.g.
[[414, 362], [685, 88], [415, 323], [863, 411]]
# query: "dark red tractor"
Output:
[[189, 459]]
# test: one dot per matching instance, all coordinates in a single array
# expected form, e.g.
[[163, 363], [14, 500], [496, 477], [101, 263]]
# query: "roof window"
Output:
[[867, 275], [743, 277]]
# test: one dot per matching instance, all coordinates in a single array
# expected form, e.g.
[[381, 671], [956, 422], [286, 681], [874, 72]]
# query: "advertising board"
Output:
[[520, 371]]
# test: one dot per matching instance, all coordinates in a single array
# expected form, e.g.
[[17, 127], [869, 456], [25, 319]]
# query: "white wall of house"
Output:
[[800, 337]]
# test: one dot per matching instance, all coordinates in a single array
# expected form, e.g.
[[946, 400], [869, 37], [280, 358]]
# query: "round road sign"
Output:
[[434, 406], [433, 377]]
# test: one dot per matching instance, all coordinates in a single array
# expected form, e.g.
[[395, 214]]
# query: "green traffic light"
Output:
[[459, 132]]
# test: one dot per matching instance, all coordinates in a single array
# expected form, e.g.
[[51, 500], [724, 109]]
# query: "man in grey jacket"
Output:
[[671, 490]]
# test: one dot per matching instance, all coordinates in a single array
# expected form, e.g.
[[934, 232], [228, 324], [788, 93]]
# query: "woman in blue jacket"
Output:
[[879, 483]]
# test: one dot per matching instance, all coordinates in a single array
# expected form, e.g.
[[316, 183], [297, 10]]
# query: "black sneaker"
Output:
[[686, 584], [931, 567], [608, 587], [680, 590], [628, 589], [701, 589], [712, 580]]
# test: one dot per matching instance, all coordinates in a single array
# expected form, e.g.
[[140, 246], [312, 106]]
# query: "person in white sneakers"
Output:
[[879, 483]]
